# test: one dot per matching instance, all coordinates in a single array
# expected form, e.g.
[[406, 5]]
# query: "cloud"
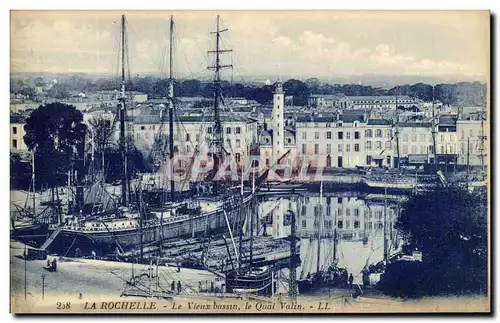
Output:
[[267, 43]]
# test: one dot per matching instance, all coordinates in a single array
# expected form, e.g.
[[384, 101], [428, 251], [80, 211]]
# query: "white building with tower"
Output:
[[277, 122], [276, 141]]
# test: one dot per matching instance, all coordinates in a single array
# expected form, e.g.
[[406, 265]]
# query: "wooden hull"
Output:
[[258, 284], [103, 242]]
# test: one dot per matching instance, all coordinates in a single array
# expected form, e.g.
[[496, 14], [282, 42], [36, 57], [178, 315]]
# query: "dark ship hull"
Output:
[[109, 241], [332, 278], [257, 283]]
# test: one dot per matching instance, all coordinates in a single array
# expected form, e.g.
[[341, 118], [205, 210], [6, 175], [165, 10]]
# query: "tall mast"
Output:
[[122, 120], [386, 247], [433, 132], [482, 136], [468, 161], [397, 127], [171, 113], [217, 140], [252, 214], [320, 218], [33, 182]]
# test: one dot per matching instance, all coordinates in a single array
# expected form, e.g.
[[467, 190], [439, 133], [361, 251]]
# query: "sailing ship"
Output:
[[135, 223]]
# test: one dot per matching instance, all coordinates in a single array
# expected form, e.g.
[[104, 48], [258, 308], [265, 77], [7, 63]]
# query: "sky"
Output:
[[279, 43]]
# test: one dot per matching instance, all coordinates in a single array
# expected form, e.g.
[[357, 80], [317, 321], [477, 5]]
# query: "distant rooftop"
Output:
[[378, 97], [154, 118], [379, 122], [415, 124]]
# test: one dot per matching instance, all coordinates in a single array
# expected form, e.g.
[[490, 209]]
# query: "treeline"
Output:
[[458, 94]]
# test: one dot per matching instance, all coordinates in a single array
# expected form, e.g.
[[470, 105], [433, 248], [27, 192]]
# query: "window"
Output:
[[238, 143], [14, 130], [348, 135], [405, 149], [289, 140], [422, 137], [340, 135], [339, 201], [413, 149], [378, 145], [368, 133], [340, 224], [348, 148], [197, 137], [422, 150], [237, 157], [356, 135], [339, 148], [304, 224], [356, 213], [378, 133], [143, 127], [209, 130], [368, 145], [413, 137], [348, 212], [188, 148], [389, 133], [328, 135], [405, 137], [356, 147], [14, 143], [388, 144], [238, 130], [304, 148], [304, 135], [356, 224], [187, 137], [228, 130], [328, 148], [316, 135], [431, 149], [316, 149]]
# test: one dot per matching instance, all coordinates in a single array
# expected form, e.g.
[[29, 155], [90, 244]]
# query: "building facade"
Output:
[[192, 133], [17, 133]]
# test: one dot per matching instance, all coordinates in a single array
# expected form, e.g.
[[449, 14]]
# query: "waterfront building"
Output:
[[190, 133], [331, 141], [274, 140], [415, 143], [17, 133], [380, 143], [469, 144]]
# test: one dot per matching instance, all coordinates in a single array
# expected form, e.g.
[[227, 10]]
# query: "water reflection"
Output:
[[355, 219]]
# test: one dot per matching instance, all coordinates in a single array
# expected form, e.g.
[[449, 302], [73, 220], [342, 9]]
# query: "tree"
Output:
[[53, 131], [100, 130], [449, 226], [59, 91], [136, 163], [20, 173], [299, 90]]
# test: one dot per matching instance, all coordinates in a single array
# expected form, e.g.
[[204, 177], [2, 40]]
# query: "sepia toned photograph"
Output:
[[249, 162]]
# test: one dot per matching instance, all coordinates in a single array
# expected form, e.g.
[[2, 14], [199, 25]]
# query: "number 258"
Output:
[[63, 306]]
